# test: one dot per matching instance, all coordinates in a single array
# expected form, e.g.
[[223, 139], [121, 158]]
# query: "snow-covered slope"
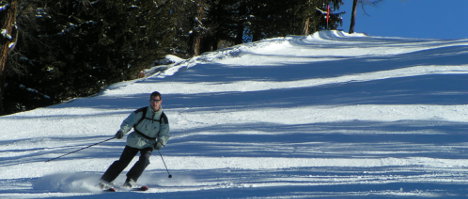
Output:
[[330, 115]]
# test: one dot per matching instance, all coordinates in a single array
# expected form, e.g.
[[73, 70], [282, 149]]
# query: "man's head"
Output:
[[155, 100]]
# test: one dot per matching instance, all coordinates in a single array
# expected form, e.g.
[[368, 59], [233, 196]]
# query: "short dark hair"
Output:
[[155, 94]]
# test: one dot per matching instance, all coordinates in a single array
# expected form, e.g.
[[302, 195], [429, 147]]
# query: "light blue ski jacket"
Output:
[[147, 129]]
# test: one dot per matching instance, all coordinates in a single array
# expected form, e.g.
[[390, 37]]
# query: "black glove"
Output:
[[158, 145], [119, 134]]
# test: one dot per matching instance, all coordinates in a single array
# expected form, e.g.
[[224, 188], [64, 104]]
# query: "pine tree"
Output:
[[73, 48], [281, 18], [7, 40]]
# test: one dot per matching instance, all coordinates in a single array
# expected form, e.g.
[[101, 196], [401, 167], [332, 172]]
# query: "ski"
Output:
[[110, 187], [114, 189], [142, 188]]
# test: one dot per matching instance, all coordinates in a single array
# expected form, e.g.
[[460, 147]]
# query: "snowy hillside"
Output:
[[330, 115]]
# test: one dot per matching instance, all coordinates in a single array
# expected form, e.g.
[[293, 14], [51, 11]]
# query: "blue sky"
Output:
[[443, 19]]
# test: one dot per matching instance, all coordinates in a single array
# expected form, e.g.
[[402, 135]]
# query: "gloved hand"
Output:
[[119, 134], [158, 145]]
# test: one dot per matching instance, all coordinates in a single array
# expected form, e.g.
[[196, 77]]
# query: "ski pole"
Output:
[[80, 149], [164, 162]]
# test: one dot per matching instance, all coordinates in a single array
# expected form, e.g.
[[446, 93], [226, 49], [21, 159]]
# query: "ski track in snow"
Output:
[[330, 115]]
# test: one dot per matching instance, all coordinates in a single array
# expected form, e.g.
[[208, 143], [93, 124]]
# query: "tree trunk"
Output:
[[197, 45], [7, 25], [199, 30], [241, 24], [353, 17], [306, 29]]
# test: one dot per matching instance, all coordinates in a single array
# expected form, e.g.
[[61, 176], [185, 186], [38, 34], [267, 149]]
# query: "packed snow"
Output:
[[329, 115]]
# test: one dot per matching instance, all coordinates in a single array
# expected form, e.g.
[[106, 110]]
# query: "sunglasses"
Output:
[[154, 100]]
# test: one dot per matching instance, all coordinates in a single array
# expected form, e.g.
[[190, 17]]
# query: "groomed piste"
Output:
[[329, 115]]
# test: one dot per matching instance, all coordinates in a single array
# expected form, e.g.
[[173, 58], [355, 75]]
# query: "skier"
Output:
[[150, 132]]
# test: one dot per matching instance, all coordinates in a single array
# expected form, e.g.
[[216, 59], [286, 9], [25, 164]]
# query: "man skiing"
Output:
[[150, 132]]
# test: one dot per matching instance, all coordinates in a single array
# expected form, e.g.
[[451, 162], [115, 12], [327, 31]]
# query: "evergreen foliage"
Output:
[[73, 48]]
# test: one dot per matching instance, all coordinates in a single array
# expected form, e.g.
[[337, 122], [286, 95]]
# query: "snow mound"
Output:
[[332, 35]]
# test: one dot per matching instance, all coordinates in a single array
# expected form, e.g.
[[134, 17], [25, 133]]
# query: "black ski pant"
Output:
[[125, 158]]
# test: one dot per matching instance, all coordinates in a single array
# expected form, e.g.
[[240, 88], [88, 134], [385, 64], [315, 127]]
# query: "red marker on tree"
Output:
[[328, 14]]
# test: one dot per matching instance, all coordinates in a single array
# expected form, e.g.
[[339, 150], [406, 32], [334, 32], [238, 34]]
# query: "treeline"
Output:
[[62, 49]]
